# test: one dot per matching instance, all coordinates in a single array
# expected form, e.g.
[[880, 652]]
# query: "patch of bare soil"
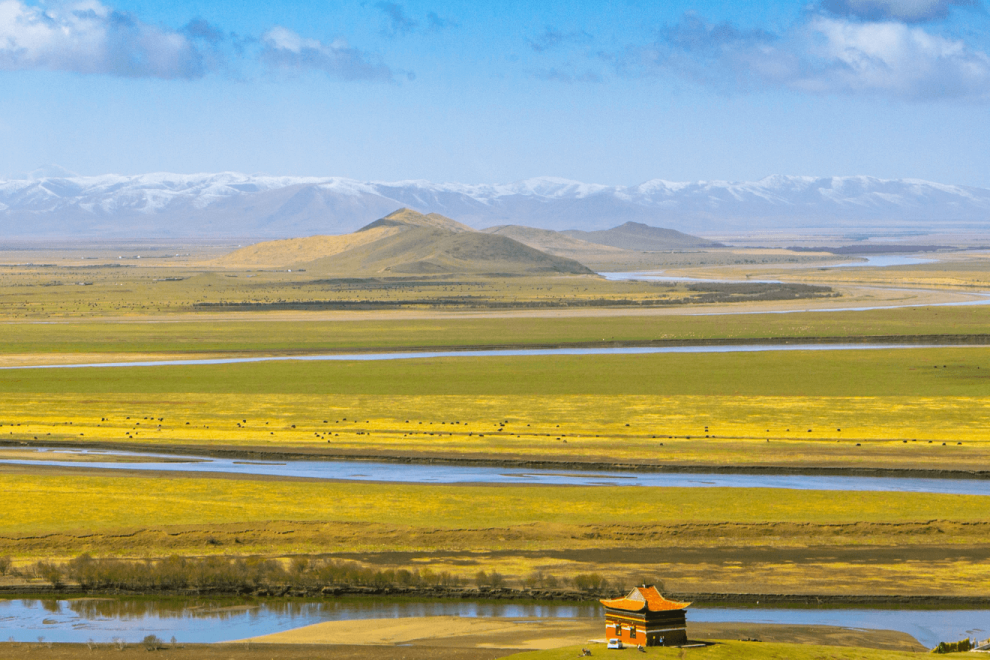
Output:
[[457, 632], [887, 640], [447, 631]]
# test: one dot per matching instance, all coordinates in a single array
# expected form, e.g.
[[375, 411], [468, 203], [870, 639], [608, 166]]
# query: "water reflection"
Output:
[[201, 620], [204, 620], [528, 352], [454, 474], [883, 261]]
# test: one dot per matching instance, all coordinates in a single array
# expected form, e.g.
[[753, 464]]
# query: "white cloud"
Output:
[[283, 48], [822, 55], [90, 38], [892, 58]]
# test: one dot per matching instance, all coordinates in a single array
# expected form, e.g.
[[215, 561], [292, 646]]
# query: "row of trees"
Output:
[[223, 574], [257, 573]]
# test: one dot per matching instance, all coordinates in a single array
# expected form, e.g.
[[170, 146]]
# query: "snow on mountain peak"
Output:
[[233, 203]]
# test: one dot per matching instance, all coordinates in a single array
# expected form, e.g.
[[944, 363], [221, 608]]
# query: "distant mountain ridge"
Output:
[[230, 204]]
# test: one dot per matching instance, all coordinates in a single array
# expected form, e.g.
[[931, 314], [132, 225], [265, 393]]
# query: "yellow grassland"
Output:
[[517, 530], [724, 650], [889, 431], [298, 250], [48, 503]]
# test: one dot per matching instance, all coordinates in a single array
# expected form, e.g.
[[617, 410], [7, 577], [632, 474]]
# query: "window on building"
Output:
[[632, 632], [618, 629]]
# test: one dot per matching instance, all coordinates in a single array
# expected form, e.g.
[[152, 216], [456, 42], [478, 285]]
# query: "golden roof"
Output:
[[644, 598]]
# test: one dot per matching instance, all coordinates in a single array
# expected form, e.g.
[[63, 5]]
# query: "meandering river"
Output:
[[431, 473], [520, 352], [198, 620]]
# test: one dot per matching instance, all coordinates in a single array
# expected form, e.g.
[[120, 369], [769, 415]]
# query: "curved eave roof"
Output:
[[644, 599]]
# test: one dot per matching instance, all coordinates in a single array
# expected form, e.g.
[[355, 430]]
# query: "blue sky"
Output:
[[607, 92]]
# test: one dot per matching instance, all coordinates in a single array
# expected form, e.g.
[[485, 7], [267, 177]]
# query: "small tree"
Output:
[[153, 643], [5, 565], [50, 572], [493, 579], [590, 582]]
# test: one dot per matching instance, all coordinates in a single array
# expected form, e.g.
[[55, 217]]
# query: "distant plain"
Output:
[[918, 409]]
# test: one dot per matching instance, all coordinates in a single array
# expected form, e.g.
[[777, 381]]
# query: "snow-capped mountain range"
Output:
[[54, 203]]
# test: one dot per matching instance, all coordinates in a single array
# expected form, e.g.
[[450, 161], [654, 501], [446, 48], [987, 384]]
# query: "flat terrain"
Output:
[[920, 410], [740, 651], [460, 632], [308, 333], [425, 639], [872, 409], [19, 651], [692, 539]]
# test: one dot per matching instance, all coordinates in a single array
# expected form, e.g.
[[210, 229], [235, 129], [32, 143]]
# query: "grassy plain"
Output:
[[37, 503], [961, 371], [869, 408], [424, 650], [923, 408], [693, 539], [556, 633], [33, 293], [265, 334], [740, 651], [108, 651]]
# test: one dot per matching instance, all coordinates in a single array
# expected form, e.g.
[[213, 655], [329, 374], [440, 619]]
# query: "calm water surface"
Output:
[[884, 260], [523, 352], [453, 474], [203, 621], [867, 261]]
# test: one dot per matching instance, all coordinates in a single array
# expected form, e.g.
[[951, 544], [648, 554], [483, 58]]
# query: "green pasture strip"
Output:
[[270, 335], [51, 503], [874, 372]]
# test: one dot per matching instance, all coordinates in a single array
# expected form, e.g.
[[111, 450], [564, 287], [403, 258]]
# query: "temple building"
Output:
[[645, 618]]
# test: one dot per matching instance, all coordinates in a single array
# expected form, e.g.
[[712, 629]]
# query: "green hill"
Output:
[[643, 238], [407, 243], [556, 243]]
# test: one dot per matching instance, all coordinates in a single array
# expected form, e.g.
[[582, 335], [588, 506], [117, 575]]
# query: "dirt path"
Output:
[[448, 631]]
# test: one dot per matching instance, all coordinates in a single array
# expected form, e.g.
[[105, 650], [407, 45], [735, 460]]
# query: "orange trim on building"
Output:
[[644, 598], [645, 618]]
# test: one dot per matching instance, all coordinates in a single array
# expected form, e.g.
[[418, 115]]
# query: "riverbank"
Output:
[[319, 453], [98, 359], [42, 651], [514, 633], [456, 638], [695, 540], [25, 588]]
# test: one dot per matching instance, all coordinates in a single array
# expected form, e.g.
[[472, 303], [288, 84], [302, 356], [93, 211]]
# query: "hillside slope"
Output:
[[554, 242], [406, 243], [273, 254], [644, 238]]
